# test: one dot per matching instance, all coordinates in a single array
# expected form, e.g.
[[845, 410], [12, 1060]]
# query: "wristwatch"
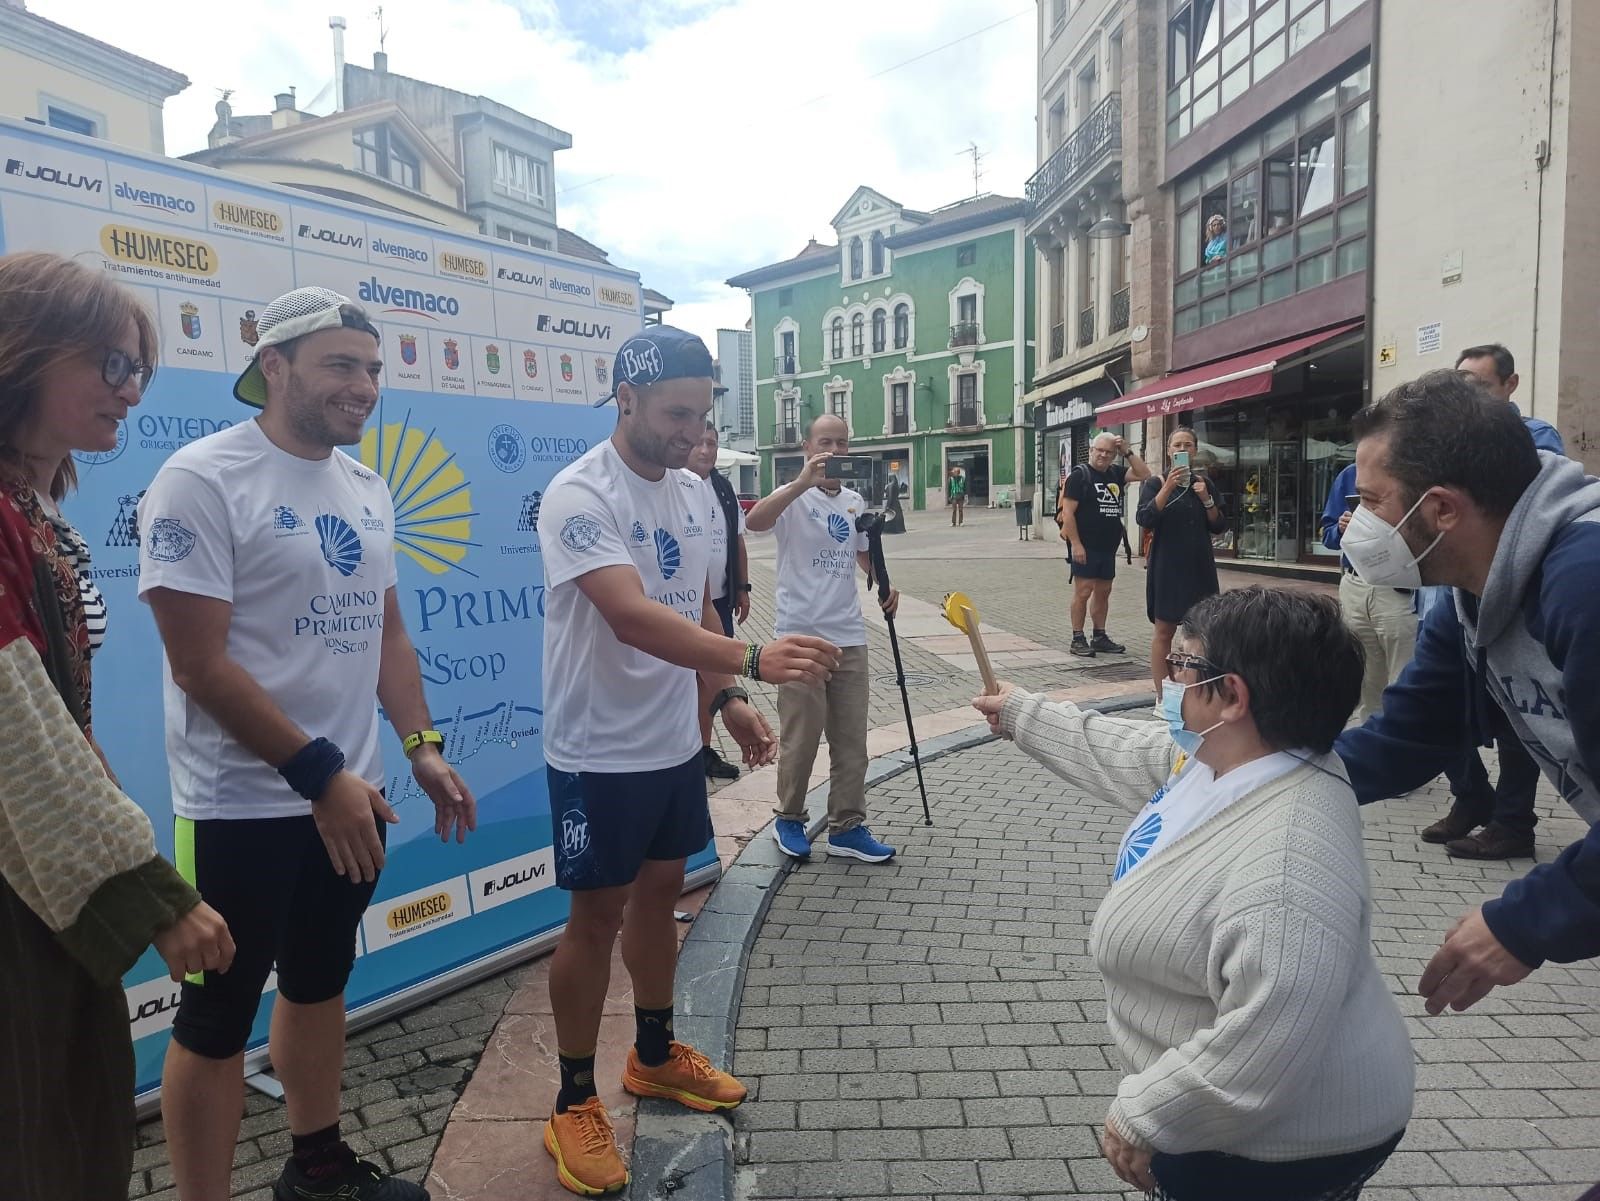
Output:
[[722, 698], [744, 588], [411, 742]]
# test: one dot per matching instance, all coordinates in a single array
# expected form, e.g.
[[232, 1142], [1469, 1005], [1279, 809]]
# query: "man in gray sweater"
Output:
[[1453, 492]]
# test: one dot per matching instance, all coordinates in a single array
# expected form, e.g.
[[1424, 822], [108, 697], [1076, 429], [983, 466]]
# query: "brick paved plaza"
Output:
[[933, 1028]]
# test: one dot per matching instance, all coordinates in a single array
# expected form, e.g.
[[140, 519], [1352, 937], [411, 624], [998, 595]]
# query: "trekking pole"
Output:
[[871, 524]]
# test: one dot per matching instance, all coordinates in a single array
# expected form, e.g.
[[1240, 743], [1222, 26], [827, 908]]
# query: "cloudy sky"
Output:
[[709, 136]]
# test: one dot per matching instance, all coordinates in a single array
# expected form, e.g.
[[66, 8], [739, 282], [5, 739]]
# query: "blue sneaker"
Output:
[[858, 843], [790, 836]]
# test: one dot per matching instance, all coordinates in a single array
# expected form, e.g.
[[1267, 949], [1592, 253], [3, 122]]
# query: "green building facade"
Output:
[[917, 328]]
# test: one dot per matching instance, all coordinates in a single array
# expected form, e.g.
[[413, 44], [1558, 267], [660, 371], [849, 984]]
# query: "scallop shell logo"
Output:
[[432, 499], [838, 527], [341, 545], [667, 555]]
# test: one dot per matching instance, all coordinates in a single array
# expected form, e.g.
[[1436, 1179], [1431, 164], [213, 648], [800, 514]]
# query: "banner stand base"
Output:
[[269, 1086], [148, 1104]]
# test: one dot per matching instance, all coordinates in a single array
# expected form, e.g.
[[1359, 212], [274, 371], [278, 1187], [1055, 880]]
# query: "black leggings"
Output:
[[1215, 1176]]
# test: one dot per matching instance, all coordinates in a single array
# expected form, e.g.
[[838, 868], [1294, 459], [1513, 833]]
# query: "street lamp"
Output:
[[1109, 227]]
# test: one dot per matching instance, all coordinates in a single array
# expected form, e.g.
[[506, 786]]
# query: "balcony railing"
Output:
[[899, 423], [1119, 311], [1086, 326], [963, 333], [786, 435], [964, 413], [1099, 135], [1058, 340], [786, 364]]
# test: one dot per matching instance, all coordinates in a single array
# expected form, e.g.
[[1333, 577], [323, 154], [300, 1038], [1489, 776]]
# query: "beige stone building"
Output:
[[56, 76], [1487, 199], [1226, 214]]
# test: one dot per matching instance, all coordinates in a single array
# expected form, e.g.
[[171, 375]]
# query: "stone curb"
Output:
[[679, 1155]]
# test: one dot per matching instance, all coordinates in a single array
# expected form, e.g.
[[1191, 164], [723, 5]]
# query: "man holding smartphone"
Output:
[[819, 550], [1383, 618]]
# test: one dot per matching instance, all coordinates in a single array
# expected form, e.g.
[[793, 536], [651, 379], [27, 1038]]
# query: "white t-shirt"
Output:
[[1193, 797], [719, 538], [304, 552], [817, 571], [607, 706]]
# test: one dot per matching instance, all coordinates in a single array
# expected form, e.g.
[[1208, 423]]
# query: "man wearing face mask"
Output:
[[1453, 492]]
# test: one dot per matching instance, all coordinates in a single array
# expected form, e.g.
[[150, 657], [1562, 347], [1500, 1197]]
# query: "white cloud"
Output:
[[729, 134]]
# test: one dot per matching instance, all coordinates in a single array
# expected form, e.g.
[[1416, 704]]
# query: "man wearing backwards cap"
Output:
[[267, 557], [627, 558]]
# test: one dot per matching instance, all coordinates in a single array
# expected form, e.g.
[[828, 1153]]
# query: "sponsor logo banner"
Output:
[[393, 921], [512, 879]]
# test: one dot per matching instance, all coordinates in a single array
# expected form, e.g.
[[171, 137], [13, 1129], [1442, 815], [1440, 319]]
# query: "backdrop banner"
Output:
[[494, 358]]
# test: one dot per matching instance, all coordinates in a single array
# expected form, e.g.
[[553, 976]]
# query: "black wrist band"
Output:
[[310, 769]]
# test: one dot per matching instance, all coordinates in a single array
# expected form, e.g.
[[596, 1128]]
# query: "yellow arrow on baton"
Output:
[[963, 614]]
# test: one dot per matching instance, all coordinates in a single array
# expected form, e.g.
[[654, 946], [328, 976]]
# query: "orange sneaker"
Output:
[[585, 1150], [686, 1077]]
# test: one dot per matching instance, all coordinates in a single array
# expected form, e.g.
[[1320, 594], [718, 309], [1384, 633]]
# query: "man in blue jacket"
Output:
[[1504, 810], [1454, 493]]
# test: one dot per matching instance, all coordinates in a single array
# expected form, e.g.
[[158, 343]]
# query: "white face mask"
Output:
[[1379, 553]]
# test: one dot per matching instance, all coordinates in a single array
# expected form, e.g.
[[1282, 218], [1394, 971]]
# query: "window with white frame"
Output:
[[880, 331], [382, 153], [836, 339], [858, 341], [902, 326], [521, 237], [64, 118], [518, 175]]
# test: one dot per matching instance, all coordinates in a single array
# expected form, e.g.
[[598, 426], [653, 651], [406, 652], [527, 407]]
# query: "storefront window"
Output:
[[1285, 210], [1260, 35], [1273, 463]]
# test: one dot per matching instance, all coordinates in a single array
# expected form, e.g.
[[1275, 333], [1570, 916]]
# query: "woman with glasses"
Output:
[[1266, 1059], [82, 890], [1181, 512]]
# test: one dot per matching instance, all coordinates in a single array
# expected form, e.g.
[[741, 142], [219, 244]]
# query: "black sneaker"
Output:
[[1081, 647], [718, 768], [355, 1180], [1103, 643]]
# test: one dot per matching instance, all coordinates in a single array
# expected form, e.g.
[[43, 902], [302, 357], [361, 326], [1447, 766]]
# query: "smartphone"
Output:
[[848, 467], [1351, 503], [1180, 460]]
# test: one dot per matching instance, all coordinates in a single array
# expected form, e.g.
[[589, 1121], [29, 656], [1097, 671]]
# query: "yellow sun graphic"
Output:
[[432, 500]]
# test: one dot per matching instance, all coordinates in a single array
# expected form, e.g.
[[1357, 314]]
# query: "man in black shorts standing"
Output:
[[267, 557], [627, 561], [1090, 516]]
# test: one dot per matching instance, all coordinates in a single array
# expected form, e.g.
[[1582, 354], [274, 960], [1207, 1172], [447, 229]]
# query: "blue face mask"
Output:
[[1172, 709]]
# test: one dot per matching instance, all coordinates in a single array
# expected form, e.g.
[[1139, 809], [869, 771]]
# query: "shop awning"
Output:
[[1242, 376]]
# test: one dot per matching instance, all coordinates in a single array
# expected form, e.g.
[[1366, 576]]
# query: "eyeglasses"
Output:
[[1177, 663], [119, 365]]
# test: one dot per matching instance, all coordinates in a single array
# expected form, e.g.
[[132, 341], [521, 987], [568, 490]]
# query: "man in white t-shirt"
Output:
[[819, 549], [627, 561], [267, 557], [730, 577]]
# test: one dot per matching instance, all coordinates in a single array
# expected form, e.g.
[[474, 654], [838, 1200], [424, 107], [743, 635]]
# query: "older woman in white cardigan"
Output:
[[1266, 1057]]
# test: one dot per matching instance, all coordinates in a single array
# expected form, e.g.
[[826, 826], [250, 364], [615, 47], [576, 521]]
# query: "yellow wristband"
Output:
[[411, 742]]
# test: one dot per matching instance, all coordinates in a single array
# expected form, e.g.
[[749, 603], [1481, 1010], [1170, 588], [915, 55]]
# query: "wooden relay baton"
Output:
[[961, 613]]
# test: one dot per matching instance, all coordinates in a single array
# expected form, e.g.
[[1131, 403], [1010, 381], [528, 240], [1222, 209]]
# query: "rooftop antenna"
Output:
[[383, 32], [977, 166]]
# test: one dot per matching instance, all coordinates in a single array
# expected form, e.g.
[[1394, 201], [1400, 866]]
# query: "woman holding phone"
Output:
[[1181, 512]]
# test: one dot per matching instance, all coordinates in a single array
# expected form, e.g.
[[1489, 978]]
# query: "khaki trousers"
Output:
[[838, 709], [1382, 619]]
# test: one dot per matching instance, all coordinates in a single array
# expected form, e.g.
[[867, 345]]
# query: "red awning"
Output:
[[1244, 375]]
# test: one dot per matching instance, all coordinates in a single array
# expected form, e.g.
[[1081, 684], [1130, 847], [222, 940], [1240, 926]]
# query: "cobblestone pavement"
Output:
[[405, 1075], [934, 1028]]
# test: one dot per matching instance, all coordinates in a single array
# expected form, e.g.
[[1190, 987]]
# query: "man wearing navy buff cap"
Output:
[[267, 557], [627, 560]]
